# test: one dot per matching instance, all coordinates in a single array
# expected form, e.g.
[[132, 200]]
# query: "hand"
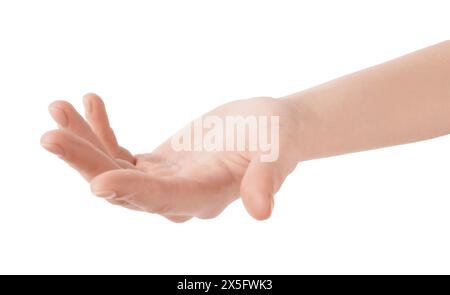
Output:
[[176, 184]]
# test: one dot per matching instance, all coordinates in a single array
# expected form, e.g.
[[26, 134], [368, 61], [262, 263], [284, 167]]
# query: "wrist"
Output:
[[304, 120]]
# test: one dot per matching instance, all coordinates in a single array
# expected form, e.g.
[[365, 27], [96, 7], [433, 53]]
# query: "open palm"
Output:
[[176, 184]]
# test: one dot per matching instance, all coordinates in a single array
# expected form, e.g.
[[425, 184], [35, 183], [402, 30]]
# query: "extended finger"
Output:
[[98, 119], [70, 120], [155, 195], [83, 156]]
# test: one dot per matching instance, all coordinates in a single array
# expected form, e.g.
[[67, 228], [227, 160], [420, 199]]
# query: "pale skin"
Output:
[[400, 101]]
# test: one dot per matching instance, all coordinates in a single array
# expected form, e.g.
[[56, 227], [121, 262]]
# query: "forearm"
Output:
[[401, 101]]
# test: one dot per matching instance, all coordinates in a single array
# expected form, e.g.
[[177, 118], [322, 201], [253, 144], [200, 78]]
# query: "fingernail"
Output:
[[87, 104], [105, 194], [53, 148], [272, 204], [59, 116]]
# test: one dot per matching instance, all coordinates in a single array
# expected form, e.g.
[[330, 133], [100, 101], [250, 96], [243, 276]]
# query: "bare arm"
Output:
[[404, 100], [400, 101]]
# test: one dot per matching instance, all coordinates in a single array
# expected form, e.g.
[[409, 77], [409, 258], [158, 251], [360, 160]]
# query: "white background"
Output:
[[159, 64]]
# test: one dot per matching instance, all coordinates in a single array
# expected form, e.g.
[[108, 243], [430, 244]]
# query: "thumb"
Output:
[[258, 187]]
